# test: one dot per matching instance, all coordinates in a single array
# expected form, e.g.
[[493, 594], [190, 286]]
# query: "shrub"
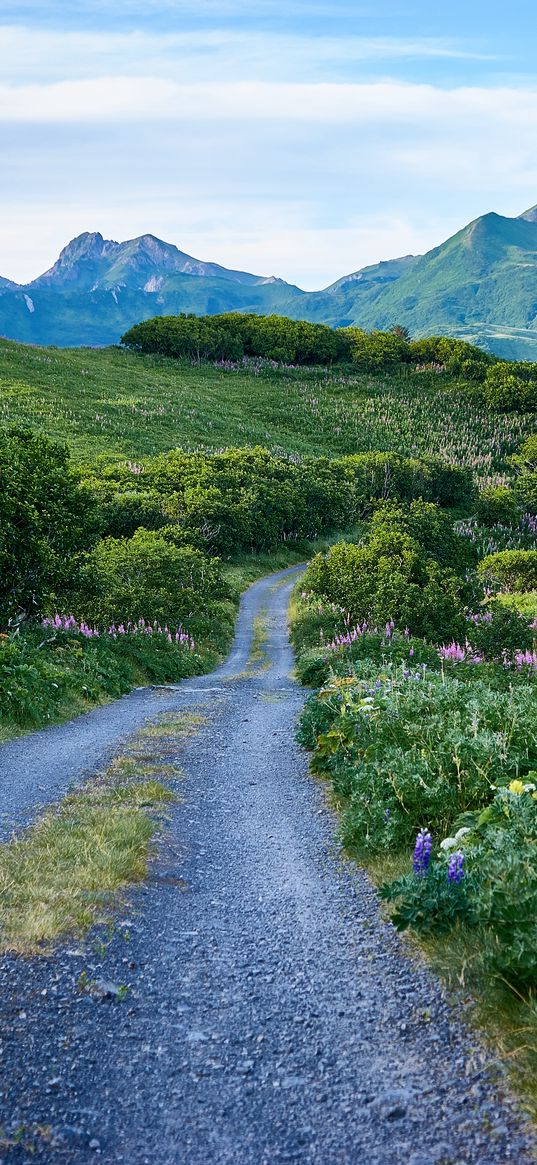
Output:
[[123, 513], [497, 890], [511, 570], [424, 750], [46, 520], [146, 576], [498, 505], [526, 484], [511, 387], [501, 632], [428, 526], [390, 577]]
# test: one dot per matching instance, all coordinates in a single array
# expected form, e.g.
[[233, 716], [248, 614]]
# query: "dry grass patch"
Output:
[[65, 874]]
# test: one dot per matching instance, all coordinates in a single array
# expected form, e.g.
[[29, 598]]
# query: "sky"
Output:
[[285, 137]]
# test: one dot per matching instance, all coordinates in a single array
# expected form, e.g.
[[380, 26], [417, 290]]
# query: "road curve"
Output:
[[271, 1014], [39, 768]]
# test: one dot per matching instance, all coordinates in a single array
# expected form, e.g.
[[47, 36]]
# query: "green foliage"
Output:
[[234, 335], [511, 570], [526, 484], [427, 525], [430, 904], [497, 897], [46, 519], [511, 386], [429, 749], [147, 577], [498, 505], [503, 632], [455, 356], [391, 576], [378, 351], [44, 677]]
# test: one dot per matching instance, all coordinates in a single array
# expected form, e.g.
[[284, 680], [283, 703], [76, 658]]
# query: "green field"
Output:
[[109, 403]]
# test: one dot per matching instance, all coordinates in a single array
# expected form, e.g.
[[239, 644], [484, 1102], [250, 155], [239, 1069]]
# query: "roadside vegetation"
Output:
[[423, 657]]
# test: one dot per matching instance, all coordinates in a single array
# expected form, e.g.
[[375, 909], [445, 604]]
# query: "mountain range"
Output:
[[481, 284]]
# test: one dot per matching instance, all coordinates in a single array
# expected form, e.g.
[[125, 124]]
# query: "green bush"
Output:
[[42, 679], [390, 577], [123, 513], [46, 520], [526, 484], [511, 570], [501, 632], [498, 505], [497, 894], [425, 750], [148, 577], [511, 387], [234, 335]]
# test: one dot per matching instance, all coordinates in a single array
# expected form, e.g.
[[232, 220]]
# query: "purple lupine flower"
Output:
[[422, 852], [411, 652], [455, 872]]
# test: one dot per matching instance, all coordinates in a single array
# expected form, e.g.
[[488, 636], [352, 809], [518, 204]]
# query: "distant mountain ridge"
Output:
[[480, 284]]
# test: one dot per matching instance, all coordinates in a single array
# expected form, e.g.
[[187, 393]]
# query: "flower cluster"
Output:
[[422, 852], [142, 627], [525, 659], [456, 653], [455, 872]]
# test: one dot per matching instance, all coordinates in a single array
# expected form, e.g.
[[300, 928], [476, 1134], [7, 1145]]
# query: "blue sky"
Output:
[[299, 138]]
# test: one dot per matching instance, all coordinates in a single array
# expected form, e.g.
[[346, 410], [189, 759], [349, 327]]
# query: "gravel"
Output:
[[251, 1006]]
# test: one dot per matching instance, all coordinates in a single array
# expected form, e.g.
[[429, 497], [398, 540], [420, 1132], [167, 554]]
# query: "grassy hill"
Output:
[[111, 402]]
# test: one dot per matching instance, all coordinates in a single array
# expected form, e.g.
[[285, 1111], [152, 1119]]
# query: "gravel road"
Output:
[[271, 1015]]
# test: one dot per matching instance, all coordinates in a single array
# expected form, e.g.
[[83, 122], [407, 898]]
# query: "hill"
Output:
[[481, 284], [111, 403]]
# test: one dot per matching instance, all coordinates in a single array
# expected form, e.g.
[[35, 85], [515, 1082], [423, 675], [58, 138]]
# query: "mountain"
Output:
[[91, 263], [480, 284]]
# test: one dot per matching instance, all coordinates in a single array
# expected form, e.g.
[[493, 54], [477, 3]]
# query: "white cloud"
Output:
[[124, 99]]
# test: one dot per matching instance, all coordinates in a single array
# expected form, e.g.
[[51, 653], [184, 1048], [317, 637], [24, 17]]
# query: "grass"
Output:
[[113, 403], [258, 660], [69, 870]]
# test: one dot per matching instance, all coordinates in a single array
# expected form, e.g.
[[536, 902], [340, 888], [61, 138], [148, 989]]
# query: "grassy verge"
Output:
[[68, 872], [365, 754], [505, 1017]]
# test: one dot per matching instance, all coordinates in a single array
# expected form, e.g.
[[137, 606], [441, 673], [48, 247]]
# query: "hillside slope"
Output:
[[112, 403]]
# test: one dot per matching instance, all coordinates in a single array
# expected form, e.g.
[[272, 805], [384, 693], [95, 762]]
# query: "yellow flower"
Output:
[[516, 787]]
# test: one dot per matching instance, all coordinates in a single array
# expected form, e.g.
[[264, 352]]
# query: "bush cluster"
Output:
[[407, 570], [233, 336]]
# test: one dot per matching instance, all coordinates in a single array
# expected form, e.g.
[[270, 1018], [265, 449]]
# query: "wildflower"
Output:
[[452, 842], [517, 787], [422, 852], [387, 815], [455, 872]]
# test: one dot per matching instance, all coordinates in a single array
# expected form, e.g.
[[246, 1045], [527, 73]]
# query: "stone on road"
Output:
[[271, 1014]]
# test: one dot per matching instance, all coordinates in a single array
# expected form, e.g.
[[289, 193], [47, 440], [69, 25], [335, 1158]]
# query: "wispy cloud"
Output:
[[210, 54]]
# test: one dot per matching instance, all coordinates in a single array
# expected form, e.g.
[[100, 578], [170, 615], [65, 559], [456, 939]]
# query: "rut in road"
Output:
[[271, 1014]]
